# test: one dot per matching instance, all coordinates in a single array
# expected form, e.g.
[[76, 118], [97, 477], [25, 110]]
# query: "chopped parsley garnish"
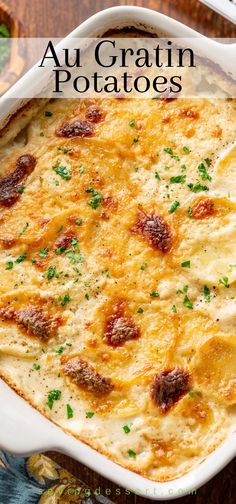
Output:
[[183, 168], [4, 31], [126, 429], [178, 179], [60, 250], [131, 453], [132, 123], [157, 176], [143, 266], [154, 294], [207, 294], [190, 212], [203, 172], [81, 169], [65, 299], [53, 395], [171, 153], [5, 46], [23, 229], [186, 149], [224, 281], [47, 113], [63, 171], [74, 242], [196, 188], [187, 303], [174, 206], [43, 252], [185, 289], [96, 199], [69, 411], [194, 393], [21, 258], [186, 264], [174, 309], [207, 161], [67, 149], [36, 367], [20, 189], [74, 257], [52, 273], [89, 414], [59, 350], [78, 222], [9, 265], [135, 140], [140, 310]]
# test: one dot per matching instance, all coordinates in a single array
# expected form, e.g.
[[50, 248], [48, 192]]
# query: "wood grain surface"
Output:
[[57, 18]]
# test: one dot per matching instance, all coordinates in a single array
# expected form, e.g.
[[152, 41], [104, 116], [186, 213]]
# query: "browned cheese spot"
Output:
[[168, 387], [94, 114], [155, 230], [188, 113], [85, 375], [78, 128], [167, 99], [9, 185], [202, 208], [33, 320], [120, 328], [7, 243]]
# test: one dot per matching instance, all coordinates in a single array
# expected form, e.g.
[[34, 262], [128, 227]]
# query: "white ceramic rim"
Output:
[[228, 10], [23, 430]]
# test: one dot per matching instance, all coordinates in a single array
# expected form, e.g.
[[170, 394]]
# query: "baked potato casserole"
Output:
[[118, 269]]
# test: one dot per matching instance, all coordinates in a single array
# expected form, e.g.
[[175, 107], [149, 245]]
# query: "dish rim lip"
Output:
[[225, 452], [225, 11]]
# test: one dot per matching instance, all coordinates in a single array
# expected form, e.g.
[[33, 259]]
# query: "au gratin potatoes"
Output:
[[118, 269]]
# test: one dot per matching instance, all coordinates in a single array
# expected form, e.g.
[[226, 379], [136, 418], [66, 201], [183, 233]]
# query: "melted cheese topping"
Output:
[[144, 154]]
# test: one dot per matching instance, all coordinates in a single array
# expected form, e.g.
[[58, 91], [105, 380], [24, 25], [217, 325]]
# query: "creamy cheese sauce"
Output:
[[144, 157]]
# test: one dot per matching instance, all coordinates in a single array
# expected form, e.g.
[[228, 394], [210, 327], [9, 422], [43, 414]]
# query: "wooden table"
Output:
[[56, 18]]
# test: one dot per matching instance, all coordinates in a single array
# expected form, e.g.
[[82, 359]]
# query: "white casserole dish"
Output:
[[23, 430]]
